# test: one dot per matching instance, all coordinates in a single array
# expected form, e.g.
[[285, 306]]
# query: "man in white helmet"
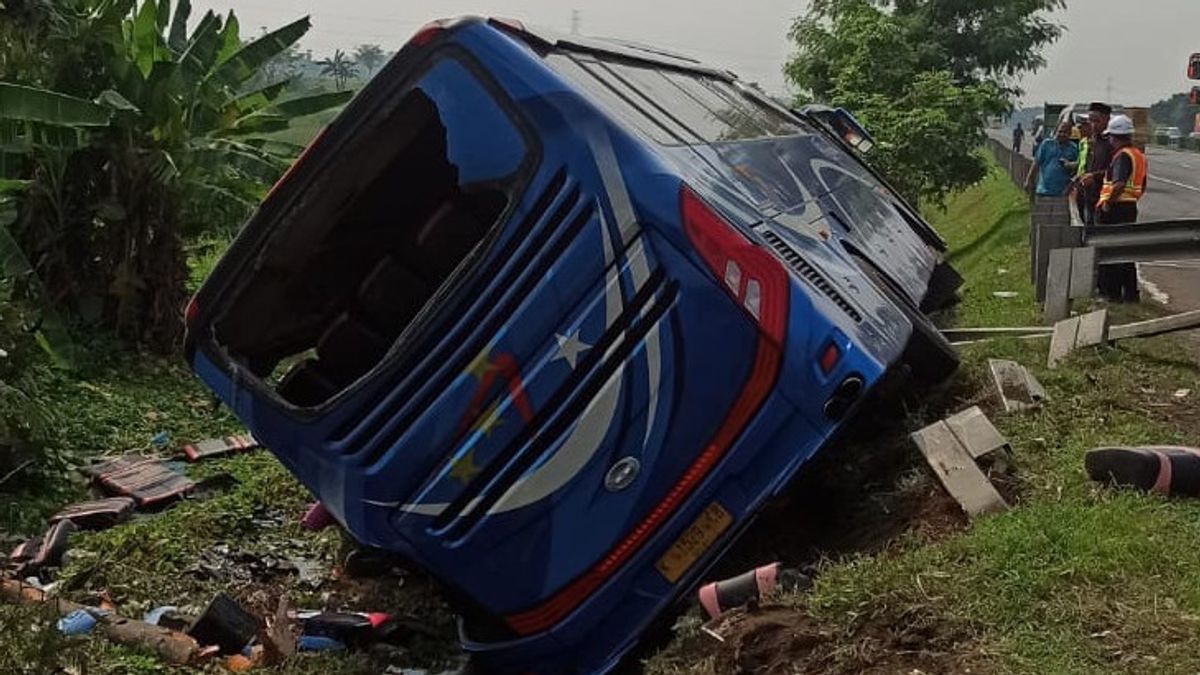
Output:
[[1124, 185]]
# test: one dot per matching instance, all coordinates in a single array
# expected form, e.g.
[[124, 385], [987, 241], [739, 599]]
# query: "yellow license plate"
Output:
[[694, 541]]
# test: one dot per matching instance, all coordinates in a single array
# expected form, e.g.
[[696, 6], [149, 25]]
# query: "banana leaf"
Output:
[[308, 105], [163, 14], [145, 37], [231, 39], [198, 58], [177, 39], [257, 99], [18, 102], [243, 64]]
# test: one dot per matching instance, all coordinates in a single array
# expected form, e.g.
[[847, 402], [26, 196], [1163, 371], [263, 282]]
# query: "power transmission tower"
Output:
[[1108, 91], [575, 21]]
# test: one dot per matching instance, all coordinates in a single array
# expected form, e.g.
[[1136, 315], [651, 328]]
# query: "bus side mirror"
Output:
[[1194, 67], [842, 123]]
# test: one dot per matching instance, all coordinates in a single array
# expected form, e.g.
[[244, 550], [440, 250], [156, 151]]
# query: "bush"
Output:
[[24, 425]]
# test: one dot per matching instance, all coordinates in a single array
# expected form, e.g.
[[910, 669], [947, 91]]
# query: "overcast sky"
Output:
[[1142, 44]]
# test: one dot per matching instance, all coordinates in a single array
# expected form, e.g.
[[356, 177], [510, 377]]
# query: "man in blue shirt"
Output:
[[1049, 170]]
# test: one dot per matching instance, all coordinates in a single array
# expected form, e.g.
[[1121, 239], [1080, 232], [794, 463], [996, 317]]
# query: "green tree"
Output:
[[370, 57], [922, 75], [340, 67], [118, 140]]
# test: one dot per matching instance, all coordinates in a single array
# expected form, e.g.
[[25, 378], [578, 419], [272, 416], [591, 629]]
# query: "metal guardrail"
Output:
[[1157, 241]]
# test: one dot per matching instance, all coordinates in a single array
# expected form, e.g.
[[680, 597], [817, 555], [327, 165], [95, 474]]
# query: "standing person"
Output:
[[1018, 138], [1082, 204], [1050, 164], [1124, 184], [1099, 156]]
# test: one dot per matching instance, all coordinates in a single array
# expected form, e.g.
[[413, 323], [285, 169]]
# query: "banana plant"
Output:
[[166, 117]]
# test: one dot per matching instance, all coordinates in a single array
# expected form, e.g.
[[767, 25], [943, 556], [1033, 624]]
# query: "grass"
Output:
[[119, 402], [1075, 578]]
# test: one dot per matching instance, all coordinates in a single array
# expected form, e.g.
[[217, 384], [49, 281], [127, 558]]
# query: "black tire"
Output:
[[942, 292], [928, 354]]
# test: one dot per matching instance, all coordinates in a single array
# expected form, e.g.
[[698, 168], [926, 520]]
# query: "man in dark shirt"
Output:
[[1018, 138], [1099, 155]]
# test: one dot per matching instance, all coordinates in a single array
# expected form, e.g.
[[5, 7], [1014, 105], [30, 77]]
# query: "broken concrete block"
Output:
[[954, 466], [1018, 388]]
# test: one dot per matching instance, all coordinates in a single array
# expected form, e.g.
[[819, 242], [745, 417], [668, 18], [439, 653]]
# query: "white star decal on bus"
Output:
[[570, 347]]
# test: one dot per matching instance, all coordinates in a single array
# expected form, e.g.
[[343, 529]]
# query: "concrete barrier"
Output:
[[1049, 217], [1016, 166]]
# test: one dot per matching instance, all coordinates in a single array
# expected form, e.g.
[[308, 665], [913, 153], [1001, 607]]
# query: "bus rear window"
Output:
[[371, 241]]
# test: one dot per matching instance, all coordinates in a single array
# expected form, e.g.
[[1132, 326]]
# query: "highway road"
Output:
[[1173, 191]]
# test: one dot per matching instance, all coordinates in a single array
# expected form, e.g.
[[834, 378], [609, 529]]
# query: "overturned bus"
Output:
[[554, 317]]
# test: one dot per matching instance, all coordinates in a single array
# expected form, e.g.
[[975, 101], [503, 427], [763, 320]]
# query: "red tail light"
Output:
[[719, 244], [426, 33], [751, 275], [190, 312], [829, 358]]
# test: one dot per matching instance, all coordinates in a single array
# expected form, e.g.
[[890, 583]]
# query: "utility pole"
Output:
[[575, 21]]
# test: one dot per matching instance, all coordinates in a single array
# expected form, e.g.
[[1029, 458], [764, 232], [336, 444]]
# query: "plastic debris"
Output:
[[98, 514], [756, 585], [80, 621], [318, 643], [160, 439], [154, 616], [317, 518], [147, 480], [239, 663], [46, 550], [218, 447], [226, 625]]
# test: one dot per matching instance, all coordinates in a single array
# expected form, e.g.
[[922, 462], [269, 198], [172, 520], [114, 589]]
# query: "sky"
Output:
[[1143, 45]]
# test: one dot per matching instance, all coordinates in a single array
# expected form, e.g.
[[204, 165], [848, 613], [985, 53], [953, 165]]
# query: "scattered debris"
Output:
[[1093, 329], [278, 641], [751, 587], [45, 550], [99, 514], [317, 518], [965, 336], [953, 458], [226, 625], [1166, 470], [318, 643], [1182, 393], [218, 447], [79, 622], [227, 564], [1077, 332], [148, 480], [368, 563], [1167, 324], [1019, 389], [166, 616], [1005, 295], [239, 663], [171, 646]]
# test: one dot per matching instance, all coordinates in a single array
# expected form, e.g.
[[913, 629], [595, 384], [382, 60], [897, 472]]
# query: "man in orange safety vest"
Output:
[[1124, 185]]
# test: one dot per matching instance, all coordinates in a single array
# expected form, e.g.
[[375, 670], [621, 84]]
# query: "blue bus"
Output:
[[553, 318]]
